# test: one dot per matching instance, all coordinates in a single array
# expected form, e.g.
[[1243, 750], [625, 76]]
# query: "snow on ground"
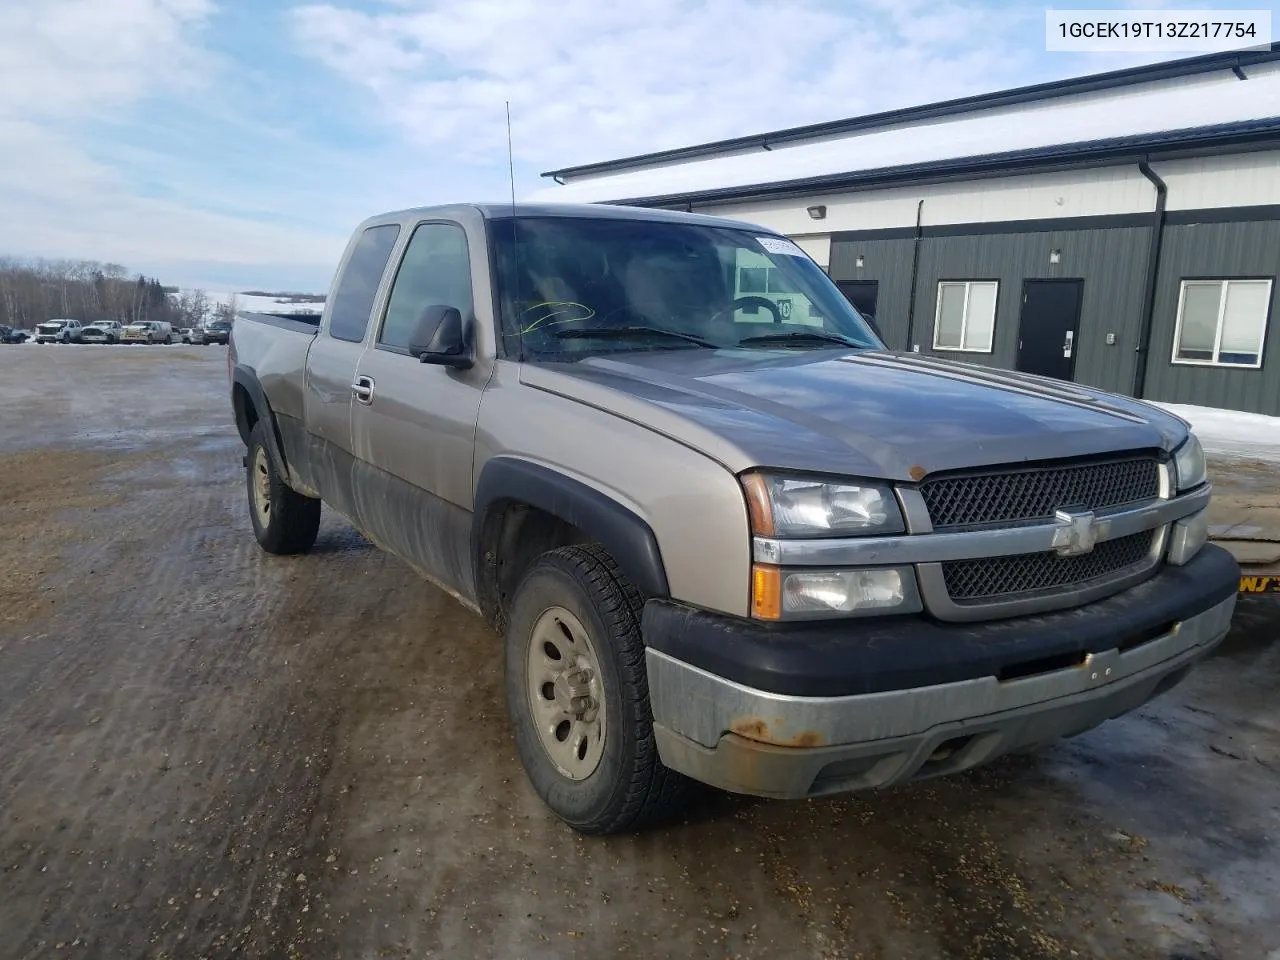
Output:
[[1232, 433], [253, 304]]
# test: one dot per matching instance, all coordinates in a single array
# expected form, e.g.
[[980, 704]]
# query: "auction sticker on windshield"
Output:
[[779, 245]]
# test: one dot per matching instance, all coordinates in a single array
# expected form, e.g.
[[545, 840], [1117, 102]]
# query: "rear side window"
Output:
[[434, 272], [353, 300]]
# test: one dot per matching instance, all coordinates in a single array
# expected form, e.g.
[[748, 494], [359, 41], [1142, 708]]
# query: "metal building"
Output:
[[1120, 230]]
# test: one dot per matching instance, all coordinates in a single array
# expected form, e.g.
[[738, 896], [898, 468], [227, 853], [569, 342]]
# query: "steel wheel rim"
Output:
[[261, 487], [565, 693]]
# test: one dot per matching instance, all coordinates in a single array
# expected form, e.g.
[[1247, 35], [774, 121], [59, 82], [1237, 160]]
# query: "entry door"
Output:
[[862, 294], [1049, 328]]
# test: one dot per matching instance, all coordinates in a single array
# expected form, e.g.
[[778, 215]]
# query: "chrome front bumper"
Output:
[[752, 741]]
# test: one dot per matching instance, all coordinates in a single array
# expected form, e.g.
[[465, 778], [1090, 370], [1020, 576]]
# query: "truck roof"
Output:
[[602, 211]]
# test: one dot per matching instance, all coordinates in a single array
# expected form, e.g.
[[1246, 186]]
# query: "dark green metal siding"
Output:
[[1110, 261], [1215, 250], [889, 262]]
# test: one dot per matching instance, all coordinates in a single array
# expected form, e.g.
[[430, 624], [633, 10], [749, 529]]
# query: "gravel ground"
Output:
[[209, 752]]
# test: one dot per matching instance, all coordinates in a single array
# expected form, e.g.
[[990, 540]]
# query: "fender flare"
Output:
[[245, 377], [627, 537]]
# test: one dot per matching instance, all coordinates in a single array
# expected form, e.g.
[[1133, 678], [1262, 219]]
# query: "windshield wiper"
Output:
[[632, 332], [803, 336]]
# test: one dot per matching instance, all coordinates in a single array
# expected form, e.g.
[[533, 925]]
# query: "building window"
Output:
[[966, 315], [1222, 322]]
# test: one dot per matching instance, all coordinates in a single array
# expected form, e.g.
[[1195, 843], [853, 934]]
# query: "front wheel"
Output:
[[578, 695], [284, 521]]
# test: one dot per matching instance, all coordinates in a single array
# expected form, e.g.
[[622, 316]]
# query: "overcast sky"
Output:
[[234, 144]]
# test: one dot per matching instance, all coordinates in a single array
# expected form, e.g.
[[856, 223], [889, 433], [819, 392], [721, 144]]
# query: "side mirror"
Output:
[[438, 338]]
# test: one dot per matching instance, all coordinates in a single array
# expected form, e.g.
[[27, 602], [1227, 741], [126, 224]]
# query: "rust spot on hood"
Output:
[[759, 729], [917, 472]]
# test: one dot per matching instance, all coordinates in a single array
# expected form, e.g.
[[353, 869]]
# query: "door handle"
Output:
[[1070, 342], [362, 389]]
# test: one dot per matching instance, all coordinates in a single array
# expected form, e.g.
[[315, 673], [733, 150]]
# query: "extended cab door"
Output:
[[332, 359], [414, 433]]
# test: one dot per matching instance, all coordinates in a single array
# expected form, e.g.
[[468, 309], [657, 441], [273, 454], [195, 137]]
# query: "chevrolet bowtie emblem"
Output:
[[1077, 532]]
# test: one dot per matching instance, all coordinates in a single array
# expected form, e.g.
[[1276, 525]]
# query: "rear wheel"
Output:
[[578, 695], [284, 521]]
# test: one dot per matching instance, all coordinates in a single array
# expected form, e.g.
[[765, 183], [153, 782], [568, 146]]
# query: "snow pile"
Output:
[[257, 304], [1232, 434]]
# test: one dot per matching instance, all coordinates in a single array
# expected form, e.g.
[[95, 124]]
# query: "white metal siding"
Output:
[[1038, 196], [1235, 180]]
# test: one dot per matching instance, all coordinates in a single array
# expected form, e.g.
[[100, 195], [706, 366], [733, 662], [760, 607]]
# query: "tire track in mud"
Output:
[[173, 735], [205, 751]]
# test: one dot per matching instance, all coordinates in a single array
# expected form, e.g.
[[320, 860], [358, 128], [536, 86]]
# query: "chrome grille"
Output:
[[1001, 578], [1034, 493]]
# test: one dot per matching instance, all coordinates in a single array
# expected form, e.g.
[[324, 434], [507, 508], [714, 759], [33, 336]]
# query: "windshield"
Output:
[[571, 287], [219, 325]]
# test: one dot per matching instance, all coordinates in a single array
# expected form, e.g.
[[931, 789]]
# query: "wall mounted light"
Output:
[[860, 261], [817, 212], [1055, 256]]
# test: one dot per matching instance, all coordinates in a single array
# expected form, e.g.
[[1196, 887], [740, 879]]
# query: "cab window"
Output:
[[434, 271]]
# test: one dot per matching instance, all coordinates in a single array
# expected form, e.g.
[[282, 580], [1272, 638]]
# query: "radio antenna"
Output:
[[515, 236]]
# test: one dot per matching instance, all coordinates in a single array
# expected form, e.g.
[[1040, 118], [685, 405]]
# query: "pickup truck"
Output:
[[724, 540], [58, 331]]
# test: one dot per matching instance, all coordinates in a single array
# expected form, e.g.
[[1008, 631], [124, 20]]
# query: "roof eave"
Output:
[[1129, 76], [1068, 157]]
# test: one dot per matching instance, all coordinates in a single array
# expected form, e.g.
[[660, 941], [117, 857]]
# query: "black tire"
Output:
[[630, 788], [292, 519]]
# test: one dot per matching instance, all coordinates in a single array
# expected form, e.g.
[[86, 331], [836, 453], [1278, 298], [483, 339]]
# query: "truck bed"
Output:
[[278, 344]]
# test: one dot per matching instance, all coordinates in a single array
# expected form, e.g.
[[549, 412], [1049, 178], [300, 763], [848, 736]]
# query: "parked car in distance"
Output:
[[148, 331], [197, 335], [723, 541], [102, 331], [185, 334], [218, 332], [59, 331], [10, 334]]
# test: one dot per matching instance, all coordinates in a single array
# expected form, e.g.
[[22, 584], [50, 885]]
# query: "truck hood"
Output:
[[896, 416]]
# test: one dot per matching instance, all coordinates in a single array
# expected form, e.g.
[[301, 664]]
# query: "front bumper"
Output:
[[893, 702]]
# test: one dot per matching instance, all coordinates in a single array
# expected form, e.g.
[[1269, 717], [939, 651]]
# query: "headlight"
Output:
[[802, 507], [807, 593], [1188, 461]]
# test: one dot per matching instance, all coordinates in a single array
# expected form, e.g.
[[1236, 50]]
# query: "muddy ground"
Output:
[[209, 752]]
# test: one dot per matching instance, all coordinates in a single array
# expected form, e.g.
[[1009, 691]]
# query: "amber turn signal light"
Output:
[[766, 592]]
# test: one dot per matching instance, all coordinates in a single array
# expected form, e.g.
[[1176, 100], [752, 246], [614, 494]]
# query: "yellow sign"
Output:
[[1260, 584]]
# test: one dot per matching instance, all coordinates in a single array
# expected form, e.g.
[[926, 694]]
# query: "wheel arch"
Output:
[[522, 509], [249, 404]]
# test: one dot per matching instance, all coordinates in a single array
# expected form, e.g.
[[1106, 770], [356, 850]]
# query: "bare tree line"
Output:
[[33, 291]]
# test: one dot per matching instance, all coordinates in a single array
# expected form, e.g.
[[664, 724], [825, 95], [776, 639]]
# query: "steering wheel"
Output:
[[765, 302]]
